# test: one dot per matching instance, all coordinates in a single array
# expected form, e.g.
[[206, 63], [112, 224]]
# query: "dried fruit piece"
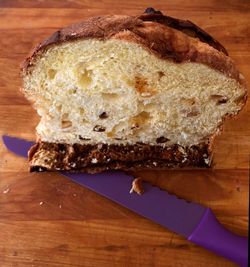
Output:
[[103, 115], [142, 87], [99, 128], [83, 138]]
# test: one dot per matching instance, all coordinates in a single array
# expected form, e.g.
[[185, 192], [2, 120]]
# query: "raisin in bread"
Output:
[[123, 92]]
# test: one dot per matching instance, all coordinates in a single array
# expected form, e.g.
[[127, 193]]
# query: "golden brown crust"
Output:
[[93, 158], [185, 26], [159, 34]]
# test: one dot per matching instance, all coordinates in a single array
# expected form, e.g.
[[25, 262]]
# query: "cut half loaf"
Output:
[[122, 92]]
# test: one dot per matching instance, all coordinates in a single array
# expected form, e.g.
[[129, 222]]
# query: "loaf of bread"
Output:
[[124, 92]]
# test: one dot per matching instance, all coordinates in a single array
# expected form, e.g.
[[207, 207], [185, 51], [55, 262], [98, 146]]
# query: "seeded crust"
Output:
[[95, 158]]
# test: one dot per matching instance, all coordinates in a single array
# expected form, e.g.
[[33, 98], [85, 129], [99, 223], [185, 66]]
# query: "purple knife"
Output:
[[193, 221]]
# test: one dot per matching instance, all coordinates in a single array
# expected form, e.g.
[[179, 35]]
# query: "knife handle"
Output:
[[211, 235]]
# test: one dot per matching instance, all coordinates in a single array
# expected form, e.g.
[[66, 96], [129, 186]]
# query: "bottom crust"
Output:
[[44, 156]]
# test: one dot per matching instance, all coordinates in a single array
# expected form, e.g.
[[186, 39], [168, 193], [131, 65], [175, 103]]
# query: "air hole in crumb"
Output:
[[130, 83], [150, 106], [140, 119], [117, 130], [81, 111], [119, 138], [51, 74], [72, 91], [161, 139], [187, 101], [110, 96], [65, 116], [66, 124], [85, 78], [216, 97], [59, 108], [220, 99]]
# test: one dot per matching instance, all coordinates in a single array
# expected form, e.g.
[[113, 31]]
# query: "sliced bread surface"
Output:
[[120, 92]]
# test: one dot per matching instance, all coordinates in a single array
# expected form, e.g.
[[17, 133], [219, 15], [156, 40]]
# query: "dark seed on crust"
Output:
[[119, 156]]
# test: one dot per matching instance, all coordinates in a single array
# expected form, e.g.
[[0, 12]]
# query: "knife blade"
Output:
[[195, 222]]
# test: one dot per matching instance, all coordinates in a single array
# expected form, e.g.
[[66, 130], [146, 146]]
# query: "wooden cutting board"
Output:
[[46, 220]]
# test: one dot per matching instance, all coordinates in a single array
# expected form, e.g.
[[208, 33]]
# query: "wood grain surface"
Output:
[[46, 220]]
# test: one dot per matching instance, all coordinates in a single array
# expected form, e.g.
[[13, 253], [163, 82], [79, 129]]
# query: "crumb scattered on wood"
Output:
[[41, 203], [137, 186], [60, 206], [6, 191]]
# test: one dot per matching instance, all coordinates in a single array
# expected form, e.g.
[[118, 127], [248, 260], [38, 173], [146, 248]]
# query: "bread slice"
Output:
[[122, 92]]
